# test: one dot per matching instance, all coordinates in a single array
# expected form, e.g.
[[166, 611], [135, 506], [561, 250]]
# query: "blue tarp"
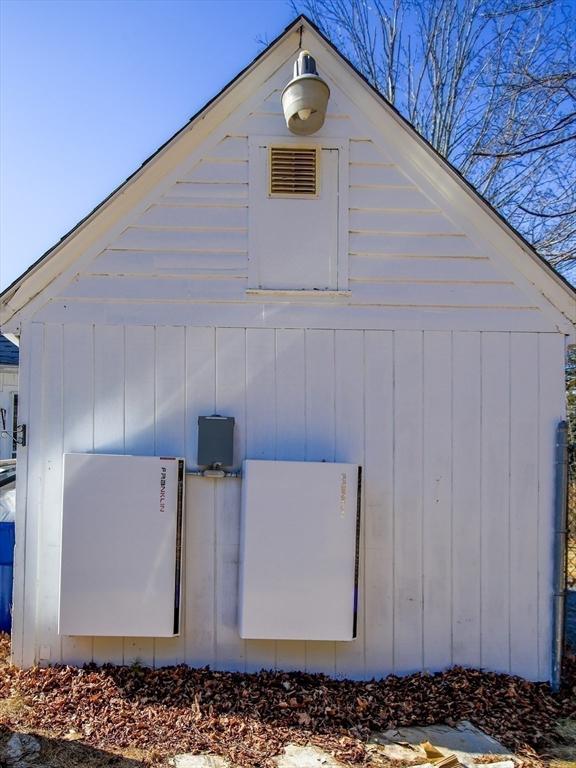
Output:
[[6, 575]]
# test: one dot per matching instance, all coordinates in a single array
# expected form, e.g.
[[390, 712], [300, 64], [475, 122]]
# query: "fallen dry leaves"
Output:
[[250, 718]]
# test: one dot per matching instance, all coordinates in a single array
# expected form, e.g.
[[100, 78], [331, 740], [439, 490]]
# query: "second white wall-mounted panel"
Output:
[[299, 549]]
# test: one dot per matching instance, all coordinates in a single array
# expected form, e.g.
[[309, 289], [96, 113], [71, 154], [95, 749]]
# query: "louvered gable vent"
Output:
[[294, 171]]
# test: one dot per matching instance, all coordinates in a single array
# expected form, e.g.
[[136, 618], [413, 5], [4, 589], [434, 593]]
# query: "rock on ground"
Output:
[[21, 751], [306, 757], [198, 761]]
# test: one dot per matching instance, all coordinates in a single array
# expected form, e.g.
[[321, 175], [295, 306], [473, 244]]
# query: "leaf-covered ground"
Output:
[[250, 718]]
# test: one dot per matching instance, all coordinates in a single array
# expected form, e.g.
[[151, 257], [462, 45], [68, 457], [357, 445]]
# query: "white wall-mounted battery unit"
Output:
[[299, 550], [121, 545]]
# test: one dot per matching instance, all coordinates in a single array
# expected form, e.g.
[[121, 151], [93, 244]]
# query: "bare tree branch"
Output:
[[529, 150], [491, 84]]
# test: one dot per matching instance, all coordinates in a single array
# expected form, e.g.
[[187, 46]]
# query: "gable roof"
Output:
[[43, 271], [8, 352]]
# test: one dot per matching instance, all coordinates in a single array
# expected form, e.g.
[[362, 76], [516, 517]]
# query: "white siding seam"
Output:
[[275, 452], [481, 490], [216, 496], [245, 449], [155, 440], [194, 230], [156, 277], [386, 185], [422, 492], [93, 342], [164, 252], [412, 281], [389, 209], [213, 182], [41, 509], [223, 160], [451, 569], [509, 495], [245, 453], [306, 441], [184, 617], [40, 362], [363, 511], [271, 302], [123, 641], [198, 202], [62, 405], [379, 232], [393, 500], [539, 619], [391, 256]]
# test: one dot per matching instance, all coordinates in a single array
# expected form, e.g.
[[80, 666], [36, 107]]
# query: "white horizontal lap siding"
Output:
[[182, 288], [8, 387], [9, 378], [185, 260], [455, 432], [404, 251], [263, 123], [195, 232]]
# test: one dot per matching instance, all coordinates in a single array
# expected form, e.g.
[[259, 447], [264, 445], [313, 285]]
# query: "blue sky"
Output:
[[90, 88]]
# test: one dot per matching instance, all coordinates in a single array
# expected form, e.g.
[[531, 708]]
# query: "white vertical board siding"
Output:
[[455, 433], [466, 497], [25, 635], [349, 414], [260, 443], [50, 532], [139, 430], [320, 376], [290, 442], [378, 482], [230, 400], [78, 434], [437, 500], [523, 504], [170, 441], [495, 495], [199, 522], [109, 378], [408, 477]]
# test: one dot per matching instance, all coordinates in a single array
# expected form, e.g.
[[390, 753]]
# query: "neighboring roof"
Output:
[[8, 352], [11, 290]]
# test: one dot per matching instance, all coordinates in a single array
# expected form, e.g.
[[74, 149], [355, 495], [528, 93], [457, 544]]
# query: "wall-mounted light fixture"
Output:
[[305, 98]]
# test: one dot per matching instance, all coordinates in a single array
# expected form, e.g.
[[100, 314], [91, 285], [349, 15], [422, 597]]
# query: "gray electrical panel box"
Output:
[[216, 440]]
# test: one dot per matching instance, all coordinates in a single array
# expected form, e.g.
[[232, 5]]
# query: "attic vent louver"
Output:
[[293, 171]]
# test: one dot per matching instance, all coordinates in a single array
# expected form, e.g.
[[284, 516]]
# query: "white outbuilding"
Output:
[[349, 300]]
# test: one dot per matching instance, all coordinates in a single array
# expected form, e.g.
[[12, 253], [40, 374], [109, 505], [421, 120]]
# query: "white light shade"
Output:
[[305, 98]]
